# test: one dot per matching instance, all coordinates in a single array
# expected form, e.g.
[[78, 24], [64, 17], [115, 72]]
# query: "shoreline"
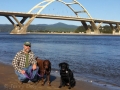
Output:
[[27, 33], [9, 80], [70, 33]]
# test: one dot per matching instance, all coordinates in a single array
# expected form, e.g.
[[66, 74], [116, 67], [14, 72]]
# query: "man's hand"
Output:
[[34, 66], [22, 72]]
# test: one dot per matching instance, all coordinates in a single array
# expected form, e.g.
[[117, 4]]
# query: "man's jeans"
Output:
[[30, 74]]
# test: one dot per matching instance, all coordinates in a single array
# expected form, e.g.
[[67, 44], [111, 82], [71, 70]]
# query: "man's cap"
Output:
[[27, 43]]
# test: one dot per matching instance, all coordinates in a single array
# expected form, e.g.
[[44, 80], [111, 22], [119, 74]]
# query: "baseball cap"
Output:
[[27, 44]]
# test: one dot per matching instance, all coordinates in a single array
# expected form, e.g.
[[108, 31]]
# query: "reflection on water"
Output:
[[94, 57]]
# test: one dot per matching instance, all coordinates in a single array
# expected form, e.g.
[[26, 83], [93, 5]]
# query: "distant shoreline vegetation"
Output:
[[57, 28], [71, 33]]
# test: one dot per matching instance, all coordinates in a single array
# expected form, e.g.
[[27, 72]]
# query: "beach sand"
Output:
[[9, 81]]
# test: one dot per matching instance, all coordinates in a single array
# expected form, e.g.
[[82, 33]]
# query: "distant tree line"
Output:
[[6, 28], [103, 29], [59, 27]]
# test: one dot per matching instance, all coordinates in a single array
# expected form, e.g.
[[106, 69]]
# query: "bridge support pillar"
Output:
[[94, 27], [118, 28], [113, 29], [88, 31], [20, 28], [87, 28]]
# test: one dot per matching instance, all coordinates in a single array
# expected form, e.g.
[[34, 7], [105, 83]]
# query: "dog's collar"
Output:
[[66, 71]]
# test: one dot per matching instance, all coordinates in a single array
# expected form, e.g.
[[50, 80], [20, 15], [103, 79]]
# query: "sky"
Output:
[[98, 9]]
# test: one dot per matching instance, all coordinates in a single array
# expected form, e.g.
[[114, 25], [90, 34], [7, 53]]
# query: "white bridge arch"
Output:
[[48, 2]]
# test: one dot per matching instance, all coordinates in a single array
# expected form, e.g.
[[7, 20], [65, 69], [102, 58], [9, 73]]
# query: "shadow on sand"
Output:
[[52, 78]]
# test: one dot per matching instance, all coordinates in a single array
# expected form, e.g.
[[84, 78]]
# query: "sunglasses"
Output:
[[28, 45]]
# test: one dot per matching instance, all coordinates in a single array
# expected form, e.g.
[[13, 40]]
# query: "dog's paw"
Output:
[[69, 88], [49, 84], [59, 86]]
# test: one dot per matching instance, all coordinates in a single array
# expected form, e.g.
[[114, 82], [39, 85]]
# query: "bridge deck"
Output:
[[20, 14]]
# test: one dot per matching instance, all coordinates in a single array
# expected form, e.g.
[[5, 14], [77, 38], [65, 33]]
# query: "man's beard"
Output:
[[27, 50]]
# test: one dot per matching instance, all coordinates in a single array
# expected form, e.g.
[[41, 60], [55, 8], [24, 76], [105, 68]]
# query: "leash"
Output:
[[29, 77], [39, 75]]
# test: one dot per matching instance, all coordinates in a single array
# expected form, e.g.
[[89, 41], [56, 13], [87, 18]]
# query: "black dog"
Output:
[[67, 78]]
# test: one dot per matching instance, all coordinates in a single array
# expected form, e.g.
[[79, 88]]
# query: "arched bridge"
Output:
[[27, 18]]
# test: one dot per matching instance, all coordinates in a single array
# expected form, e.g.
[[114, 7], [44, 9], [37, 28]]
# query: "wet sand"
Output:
[[9, 81]]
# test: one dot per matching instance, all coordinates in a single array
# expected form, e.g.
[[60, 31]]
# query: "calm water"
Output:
[[90, 57]]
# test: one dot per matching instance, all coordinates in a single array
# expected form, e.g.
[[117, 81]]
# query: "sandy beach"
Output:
[[9, 81]]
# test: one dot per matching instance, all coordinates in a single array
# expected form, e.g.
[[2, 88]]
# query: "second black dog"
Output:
[[67, 77]]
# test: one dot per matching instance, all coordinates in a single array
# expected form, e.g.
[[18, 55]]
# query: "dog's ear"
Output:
[[50, 63], [67, 65], [36, 58], [60, 64]]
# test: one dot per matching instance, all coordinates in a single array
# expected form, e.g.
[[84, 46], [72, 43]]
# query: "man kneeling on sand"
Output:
[[25, 64]]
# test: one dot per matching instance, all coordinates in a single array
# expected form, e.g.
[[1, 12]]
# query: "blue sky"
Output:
[[99, 9]]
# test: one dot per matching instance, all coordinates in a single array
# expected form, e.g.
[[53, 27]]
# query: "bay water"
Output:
[[94, 58]]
